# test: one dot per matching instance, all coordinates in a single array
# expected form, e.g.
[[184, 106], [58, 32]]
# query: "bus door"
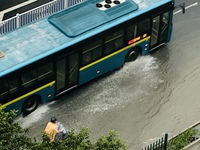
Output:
[[66, 73], [159, 32]]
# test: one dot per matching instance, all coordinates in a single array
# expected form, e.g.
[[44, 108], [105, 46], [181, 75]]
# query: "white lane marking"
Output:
[[192, 5]]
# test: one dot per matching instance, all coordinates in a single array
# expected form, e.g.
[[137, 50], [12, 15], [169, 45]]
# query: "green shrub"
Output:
[[181, 140], [14, 137]]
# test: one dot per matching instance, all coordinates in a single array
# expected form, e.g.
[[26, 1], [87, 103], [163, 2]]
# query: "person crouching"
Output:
[[51, 129]]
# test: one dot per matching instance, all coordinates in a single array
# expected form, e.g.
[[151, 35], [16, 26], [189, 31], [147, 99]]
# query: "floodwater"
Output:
[[125, 101], [156, 94]]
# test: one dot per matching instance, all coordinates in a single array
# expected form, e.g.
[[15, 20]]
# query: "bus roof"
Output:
[[51, 34]]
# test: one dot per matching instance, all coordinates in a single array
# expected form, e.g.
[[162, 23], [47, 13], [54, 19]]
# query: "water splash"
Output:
[[34, 117]]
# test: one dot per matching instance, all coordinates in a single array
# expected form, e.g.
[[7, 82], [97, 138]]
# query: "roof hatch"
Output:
[[90, 14]]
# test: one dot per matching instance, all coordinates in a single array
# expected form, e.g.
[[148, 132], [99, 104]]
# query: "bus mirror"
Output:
[[182, 6]]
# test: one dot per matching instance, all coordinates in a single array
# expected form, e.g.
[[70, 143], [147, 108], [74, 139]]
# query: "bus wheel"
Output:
[[30, 105], [132, 54]]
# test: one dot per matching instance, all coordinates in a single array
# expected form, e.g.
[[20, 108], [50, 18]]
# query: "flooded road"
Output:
[[156, 94]]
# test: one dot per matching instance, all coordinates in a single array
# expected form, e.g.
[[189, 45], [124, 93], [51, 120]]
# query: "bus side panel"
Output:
[[17, 106], [102, 67], [144, 46], [46, 94]]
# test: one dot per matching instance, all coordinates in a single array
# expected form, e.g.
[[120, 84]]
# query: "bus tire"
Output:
[[132, 54], [30, 105]]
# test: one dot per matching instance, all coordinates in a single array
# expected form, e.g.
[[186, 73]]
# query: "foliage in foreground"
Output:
[[14, 137], [181, 140]]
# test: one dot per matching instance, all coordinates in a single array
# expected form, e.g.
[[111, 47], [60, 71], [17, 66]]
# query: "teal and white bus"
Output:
[[58, 53]]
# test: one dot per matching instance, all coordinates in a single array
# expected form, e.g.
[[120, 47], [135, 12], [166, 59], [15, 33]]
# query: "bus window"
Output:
[[4, 89], [92, 52], [14, 85], [143, 27], [131, 32], [45, 71], [118, 43], [113, 42], [73, 68], [87, 58], [108, 48], [60, 74], [29, 78], [97, 53]]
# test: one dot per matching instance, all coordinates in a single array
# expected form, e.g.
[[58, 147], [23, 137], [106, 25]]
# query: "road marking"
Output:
[[15, 7], [192, 5]]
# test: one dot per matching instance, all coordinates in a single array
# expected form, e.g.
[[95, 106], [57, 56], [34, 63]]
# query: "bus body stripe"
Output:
[[27, 94], [106, 57]]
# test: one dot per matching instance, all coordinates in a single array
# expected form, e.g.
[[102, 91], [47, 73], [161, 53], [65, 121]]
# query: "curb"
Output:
[[192, 145], [191, 126]]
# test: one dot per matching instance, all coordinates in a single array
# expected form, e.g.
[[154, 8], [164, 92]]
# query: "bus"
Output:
[[58, 53]]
